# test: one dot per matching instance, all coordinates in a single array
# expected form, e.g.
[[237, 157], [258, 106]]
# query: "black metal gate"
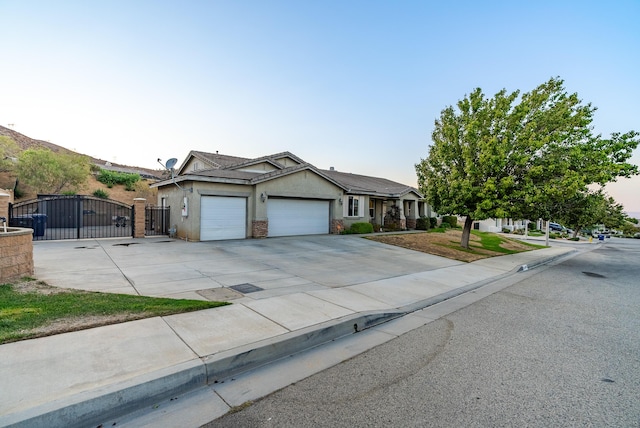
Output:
[[156, 220], [73, 217]]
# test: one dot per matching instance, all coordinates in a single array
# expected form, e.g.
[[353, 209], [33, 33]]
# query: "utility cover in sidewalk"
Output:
[[246, 288], [221, 294]]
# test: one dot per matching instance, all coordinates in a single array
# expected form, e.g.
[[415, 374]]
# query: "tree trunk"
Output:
[[466, 232]]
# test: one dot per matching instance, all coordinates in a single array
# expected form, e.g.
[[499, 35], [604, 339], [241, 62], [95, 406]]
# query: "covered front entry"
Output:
[[223, 217], [288, 217]]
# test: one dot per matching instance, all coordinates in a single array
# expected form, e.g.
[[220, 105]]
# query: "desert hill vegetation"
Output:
[[30, 167]]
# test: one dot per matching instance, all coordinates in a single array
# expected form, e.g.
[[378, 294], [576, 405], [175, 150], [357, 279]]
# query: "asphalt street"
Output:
[[558, 348]]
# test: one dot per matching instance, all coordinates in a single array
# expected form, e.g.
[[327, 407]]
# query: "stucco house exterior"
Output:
[[215, 197], [498, 225]]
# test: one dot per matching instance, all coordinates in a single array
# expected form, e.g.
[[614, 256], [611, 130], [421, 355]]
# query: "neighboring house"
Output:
[[498, 225], [144, 173], [215, 197]]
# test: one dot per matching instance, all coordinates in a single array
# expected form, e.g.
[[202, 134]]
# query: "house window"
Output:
[[372, 208], [353, 206], [196, 166]]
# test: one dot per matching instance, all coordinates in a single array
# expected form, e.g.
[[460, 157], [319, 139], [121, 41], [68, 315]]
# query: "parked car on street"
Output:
[[556, 227]]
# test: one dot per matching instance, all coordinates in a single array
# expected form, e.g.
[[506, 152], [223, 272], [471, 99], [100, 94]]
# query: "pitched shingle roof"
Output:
[[364, 184], [226, 168], [219, 161]]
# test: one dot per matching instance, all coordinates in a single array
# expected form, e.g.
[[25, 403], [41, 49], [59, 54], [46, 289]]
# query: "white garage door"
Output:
[[222, 217], [289, 217]]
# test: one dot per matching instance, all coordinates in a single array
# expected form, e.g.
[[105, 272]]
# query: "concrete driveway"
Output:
[[208, 270]]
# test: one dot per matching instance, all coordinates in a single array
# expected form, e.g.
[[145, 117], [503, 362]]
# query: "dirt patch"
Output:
[[447, 245], [65, 325], [116, 193], [34, 286]]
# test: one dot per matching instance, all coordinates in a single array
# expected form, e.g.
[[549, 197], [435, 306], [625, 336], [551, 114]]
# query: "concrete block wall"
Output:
[[6, 197], [16, 254], [139, 205]]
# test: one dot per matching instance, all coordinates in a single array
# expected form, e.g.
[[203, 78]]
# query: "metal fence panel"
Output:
[[156, 221], [72, 217]]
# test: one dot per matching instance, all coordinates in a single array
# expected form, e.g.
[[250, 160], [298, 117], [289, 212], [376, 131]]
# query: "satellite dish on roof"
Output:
[[171, 163]]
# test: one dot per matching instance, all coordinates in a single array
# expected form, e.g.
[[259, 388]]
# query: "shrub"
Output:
[[102, 194], [359, 228], [451, 220], [69, 193], [422, 223], [433, 222], [391, 227], [110, 178]]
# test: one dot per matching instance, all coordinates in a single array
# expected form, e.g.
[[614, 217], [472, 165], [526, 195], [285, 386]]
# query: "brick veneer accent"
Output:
[[139, 205], [260, 228], [16, 253], [337, 226], [411, 223]]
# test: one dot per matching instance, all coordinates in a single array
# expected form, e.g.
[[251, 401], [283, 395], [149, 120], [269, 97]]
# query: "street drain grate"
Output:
[[246, 288], [594, 275]]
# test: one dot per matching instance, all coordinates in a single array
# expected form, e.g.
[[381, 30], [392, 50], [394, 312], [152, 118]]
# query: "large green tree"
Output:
[[49, 172], [518, 156]]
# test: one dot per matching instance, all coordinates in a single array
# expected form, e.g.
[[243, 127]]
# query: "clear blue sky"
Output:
[[352, 84]]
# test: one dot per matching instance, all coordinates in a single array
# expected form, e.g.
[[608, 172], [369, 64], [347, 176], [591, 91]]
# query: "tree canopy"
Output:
[[518, 156], [8, 153], [49, 172], [587, 209]]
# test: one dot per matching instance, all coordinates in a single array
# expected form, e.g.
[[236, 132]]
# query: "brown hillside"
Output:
[[117, 193], [25, 143]]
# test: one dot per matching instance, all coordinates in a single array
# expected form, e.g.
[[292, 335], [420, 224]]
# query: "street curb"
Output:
[[91, 408], [545, 260], [109, 403]]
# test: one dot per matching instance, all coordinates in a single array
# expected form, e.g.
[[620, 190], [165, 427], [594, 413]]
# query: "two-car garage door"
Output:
[[289, 217], [224, 217]]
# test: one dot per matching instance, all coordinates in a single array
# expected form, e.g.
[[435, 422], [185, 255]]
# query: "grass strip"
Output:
[[23, 312], [492, 242]]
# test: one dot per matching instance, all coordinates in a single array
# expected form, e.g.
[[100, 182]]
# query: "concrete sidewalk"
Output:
[[298, 293]]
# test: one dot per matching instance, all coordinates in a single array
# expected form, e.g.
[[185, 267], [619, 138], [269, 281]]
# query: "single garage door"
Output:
[[222, 217], [289, 217]]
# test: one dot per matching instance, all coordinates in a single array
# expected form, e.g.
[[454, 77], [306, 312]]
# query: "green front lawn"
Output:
[[493, 242], [26, 311]]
